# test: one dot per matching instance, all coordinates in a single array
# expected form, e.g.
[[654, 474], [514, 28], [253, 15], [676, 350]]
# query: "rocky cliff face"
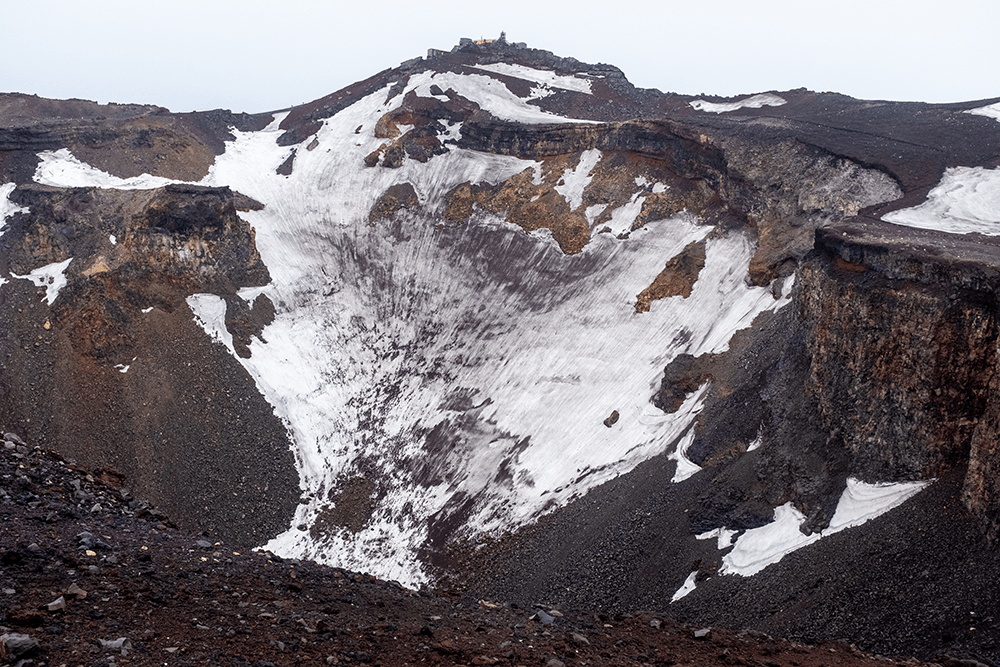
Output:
[[916, 333]]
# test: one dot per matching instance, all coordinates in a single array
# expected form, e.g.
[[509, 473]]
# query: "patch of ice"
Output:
[[123, 368], [7, 207], [543, 77], [575, 181], [62, 169], [147, 310], [991, 111], [51, 276], [754, 102], [966, 201], [113, 239], [643, 182], [689, 585], [758, 441], [859, 503], [862, 502]]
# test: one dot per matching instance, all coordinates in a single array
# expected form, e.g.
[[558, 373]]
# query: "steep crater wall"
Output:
[[111, 369], [903, 342]]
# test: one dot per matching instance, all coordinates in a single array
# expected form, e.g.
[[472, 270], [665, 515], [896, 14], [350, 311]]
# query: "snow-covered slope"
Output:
[[471, 366]]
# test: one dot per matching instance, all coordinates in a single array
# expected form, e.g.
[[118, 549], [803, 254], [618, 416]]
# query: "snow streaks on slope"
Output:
[[466, 369]]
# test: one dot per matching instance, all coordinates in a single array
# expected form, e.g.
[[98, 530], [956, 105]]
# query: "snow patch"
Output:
[[147, 310], [62, 169], [543, 77], [250, 294], [685, 466], [966, 201], [7, 207], [575, 181], [592, 213], [991, 111], [538, 92], [859, 503], [209, 312], [51, 276], [453, 131], [754, 102], [489, 93], [113, 239], [723, 535], [623, 217], [689, 585]]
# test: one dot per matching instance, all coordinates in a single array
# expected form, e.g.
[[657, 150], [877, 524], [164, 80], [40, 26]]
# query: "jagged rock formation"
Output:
[[496, 293]]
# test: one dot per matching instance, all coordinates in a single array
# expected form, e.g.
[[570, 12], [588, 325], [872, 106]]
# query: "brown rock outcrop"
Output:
[[676, 279]]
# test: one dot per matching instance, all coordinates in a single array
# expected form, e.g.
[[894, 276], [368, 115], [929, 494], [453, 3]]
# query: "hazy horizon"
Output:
[[254, 56]]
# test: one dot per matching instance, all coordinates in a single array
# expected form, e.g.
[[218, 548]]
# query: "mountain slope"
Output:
[[475, 289]]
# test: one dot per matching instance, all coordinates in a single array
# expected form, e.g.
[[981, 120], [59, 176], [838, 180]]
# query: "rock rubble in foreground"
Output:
[[91, 576]]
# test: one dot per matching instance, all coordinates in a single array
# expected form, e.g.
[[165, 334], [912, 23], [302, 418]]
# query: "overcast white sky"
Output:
[[261, 55]]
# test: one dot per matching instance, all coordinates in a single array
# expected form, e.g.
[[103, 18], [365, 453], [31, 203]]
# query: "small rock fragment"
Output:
[[76, 591], [544, 617], [13, 437], [57, 605], [655, 623], [701, 634], [121, 644], [579, 639], [204, 544]]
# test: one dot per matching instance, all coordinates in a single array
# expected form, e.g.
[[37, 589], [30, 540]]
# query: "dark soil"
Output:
[[73, 539]]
